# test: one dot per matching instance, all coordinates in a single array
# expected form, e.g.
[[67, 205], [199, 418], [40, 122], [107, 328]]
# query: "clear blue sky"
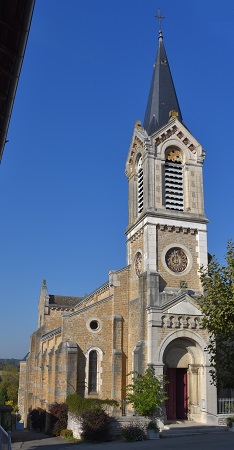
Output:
[[84, 82]]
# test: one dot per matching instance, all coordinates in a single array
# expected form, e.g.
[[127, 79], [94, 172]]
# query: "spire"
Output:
[[162, 96]]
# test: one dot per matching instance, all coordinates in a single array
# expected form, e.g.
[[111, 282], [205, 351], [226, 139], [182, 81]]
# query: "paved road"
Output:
[[211, 441]]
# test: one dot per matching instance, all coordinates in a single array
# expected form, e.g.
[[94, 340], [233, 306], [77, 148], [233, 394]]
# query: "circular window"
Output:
[[138, 263], [176, 259], [94, 325]]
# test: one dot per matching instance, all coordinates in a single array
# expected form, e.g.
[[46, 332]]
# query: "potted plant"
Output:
[[152, 430], [146, 394], [230, 423]]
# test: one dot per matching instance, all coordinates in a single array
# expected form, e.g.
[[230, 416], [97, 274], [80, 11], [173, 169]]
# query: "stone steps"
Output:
[[187, 429]]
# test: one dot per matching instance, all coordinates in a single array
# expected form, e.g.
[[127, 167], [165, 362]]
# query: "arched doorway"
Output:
[[183, 360]]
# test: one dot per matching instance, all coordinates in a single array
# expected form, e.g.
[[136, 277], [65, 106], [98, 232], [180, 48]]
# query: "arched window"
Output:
[[92, 383], [140, 186], [174, 189]]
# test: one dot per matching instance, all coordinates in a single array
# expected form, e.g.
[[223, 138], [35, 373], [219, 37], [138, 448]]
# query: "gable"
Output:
[[136, 146], [185, 305], [175, 133]]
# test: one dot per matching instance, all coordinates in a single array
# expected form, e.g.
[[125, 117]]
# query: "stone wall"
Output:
[[118, 423]]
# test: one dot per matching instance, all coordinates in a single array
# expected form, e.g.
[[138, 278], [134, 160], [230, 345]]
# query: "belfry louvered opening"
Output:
[[174, 183], [140, 186]]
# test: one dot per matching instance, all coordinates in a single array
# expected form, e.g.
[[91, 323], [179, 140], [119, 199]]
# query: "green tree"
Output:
[[146, 393], [8, 361], [9, 384], [3, 394], [217, 306]]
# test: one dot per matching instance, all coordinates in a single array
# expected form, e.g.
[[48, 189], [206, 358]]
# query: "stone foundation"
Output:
[[118, 423]]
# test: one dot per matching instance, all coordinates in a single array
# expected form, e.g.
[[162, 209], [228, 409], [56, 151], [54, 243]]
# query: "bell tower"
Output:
[[166, 233], [166, 246]]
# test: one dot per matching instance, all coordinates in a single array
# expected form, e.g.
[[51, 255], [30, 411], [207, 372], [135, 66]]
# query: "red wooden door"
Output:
[[181, 394], [177, 403], [171, 393]]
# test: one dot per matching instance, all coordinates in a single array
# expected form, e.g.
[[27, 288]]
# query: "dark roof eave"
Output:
[[61, 306], [10, 97]]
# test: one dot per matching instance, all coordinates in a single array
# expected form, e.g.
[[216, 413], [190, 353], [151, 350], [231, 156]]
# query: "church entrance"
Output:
[[177, 391], [185, 365], [183, 361]]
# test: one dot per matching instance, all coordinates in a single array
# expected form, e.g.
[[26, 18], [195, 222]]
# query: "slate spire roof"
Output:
[[162, 96]]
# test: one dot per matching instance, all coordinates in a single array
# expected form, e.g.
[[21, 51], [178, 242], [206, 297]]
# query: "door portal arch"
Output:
[[183, 358]]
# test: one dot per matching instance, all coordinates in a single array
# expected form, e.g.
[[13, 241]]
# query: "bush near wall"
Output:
[[37, 419], [77, 404], [134, 432], [93, 416], [95, 425], [58, 418]]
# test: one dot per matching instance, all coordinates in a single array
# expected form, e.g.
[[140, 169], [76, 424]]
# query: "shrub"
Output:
[[67, 434], [37, 418], [58, 413], [133, 432], [33, 418], [230, 421], [77, 404], [42, 420], [95, 425]]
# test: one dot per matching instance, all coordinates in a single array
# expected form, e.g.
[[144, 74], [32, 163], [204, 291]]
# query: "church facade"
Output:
[[146, 313]]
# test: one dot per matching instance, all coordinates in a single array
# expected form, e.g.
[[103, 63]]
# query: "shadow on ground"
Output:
[[26, 435]]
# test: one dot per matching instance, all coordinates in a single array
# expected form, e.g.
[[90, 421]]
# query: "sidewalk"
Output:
[[27, 440], [185, 435], [32, 439]]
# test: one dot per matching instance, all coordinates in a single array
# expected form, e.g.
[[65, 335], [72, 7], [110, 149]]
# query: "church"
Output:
[[146, 313]]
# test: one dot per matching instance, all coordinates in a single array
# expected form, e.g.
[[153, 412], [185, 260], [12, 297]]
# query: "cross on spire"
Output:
[[160, 18], [162, 97]]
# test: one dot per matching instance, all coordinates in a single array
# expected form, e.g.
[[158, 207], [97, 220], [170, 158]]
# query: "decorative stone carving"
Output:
[[176, 259], [138, 263]]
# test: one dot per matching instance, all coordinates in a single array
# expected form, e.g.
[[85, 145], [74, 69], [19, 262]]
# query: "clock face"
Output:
[[176, 259], [138, 263]]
